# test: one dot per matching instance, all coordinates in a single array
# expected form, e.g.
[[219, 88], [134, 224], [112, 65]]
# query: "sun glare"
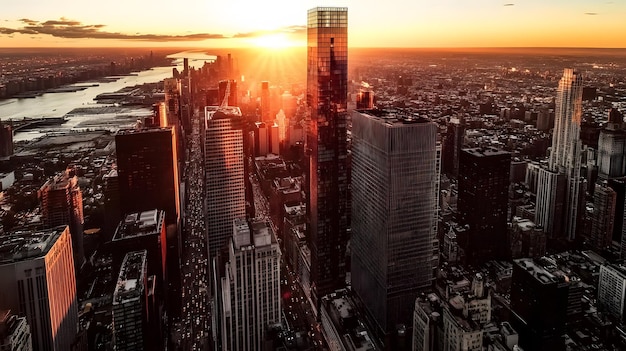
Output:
[[273, 41]]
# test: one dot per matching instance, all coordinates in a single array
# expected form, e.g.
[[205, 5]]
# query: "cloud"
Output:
[[509, 4], [294, 29], [72, 29], [591, 13]]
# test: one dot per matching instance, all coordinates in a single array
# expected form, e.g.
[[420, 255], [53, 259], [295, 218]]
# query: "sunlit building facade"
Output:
[[38, 281], [394, 242], [326, 145], [225, 175]]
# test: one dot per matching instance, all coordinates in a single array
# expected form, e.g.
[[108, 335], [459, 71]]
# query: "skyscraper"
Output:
[[394, 243], [265, 103], [62, 204], [326, 145], [452, 146], [483, 201], [147, 171], [565, 155], [612, 290], [249, 299], [225, 174], [612, 147], [37, 279]]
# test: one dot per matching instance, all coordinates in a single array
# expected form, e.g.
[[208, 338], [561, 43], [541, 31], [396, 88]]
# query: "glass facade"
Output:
[[327, 95]]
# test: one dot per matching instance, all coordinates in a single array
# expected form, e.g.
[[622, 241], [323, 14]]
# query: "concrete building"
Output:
[[394, 244], [225, 173], [603, 216], [37, 279], [612, 147], [549, 209], [342, 329], [62, 204], [14, 333], [427, 323], [612, 290], [249, 288]]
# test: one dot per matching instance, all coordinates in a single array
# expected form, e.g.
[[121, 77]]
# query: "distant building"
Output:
[[6, 140], [223, 87], [172, 88], [249, 298], [62, 204], [265, 103], [612, 147], [14, 333], [37, 279], [131, 318], [147, 170], [483, 201], [452, 145], [539, 305], [603, 216], [526, 239], [225, 173], [394, 179], [550, 203], [612, 290]]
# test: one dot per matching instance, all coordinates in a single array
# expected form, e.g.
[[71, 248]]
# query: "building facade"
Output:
[[38, 281], [326, 145], [612, 290], [394, 243], [14, 333]]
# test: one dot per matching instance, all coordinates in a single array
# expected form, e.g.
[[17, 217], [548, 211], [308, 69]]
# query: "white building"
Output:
[[14, 333], [37, 279], [612, 290]]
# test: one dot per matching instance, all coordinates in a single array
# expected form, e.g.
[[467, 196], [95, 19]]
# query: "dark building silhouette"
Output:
[[147, 171], [539, 306], [452, 145], [326, 144], [265, 103], [483, 201], [62, 204], [6, 140]]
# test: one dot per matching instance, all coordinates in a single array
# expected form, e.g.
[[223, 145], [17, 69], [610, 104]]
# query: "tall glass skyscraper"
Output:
[[327, 95], [394, 192]]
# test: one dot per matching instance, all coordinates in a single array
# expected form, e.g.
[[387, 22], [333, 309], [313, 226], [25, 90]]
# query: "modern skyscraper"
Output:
[[326, 145], [249, 299], [452, 146], [483, 201], [14, 332], [265, 103], [612, 290], [37, 279], [130, 332], [172, 88], [612, 147], [147, 171], [62, 204], [603, 216], [394, 243], [225, 174], [565, 155]]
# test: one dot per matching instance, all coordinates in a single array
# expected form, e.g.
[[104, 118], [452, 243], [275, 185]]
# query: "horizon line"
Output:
[[304, 46]]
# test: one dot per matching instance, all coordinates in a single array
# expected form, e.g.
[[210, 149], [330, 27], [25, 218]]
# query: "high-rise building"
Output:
[[223, 87], [483, 201], [550, 201], [62, 204], [225, 174], [14, 332], [565, 155], [130, 300], [452, 146], [603, 216], [147, 171], [265, 103], [326, 145], [612, 147], [539, 306], [6, 140], [37, 279], [394, 244], [249, 298], [612, 290]]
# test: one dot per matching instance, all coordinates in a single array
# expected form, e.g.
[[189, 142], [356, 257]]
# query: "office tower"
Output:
[[282, 122], [326, 144], [261, 142], [172, 88], [565, 155], [612, 290], [612, 147], [111, 192], [249, 300], [274, 140], [394, 244], [142, 231], [37, 279], [265, 103], [549, 208], [603, 216], [289, 104], [526, 239], [225, 174], [62, 204], [6, 140], [232, 94], [14, 332], [130, 302], [148, 171], [539, 306], [483, 201], [365, 98], [426, 317], [453, 143]]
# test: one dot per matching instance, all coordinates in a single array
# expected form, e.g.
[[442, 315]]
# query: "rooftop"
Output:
[[28, 244], [486, 151], [537, 271], [216, 112], [131, 131], [394, 117], [140, 224], [130, 282], [61, 181]]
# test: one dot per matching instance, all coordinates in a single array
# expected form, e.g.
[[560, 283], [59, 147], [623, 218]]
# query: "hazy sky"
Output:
[[372, 23]]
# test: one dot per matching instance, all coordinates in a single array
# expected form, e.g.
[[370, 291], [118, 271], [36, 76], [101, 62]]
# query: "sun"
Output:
[[273, 41]]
